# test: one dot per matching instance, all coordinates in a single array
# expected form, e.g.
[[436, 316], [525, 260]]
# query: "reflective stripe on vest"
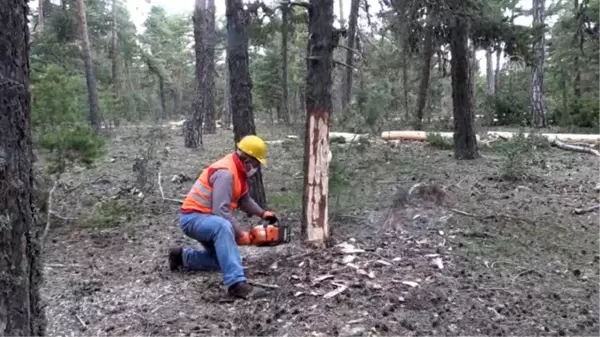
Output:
[[199, 198]]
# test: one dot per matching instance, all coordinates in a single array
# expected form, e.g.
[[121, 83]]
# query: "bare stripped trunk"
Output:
[[538, 108], [21, 313], [315, 227], [209, 64], [489, 71], [347, 91], [285, 106], [193, 127], [90, 78], [425, 72], [465, 143], [240, 85]]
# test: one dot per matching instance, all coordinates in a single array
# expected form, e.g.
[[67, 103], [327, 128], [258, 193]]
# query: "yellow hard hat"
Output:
[[255, 147]]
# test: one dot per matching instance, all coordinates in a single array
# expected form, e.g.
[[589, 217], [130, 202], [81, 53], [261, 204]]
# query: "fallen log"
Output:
[[568, 147], [415, 135], [565, 137]]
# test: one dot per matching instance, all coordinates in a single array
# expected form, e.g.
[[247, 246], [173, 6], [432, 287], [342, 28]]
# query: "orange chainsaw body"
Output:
[[266, 235]]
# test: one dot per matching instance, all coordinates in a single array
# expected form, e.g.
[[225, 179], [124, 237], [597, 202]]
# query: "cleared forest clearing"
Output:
[[424, 245]]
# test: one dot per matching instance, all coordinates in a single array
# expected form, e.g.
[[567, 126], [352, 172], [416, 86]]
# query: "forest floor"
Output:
[[465, 252]]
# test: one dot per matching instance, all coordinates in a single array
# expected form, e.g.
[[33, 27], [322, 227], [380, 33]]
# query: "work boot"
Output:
[[243, 290], [175, 258]]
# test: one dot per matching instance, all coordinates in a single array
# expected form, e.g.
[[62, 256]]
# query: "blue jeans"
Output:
[[216, 234]]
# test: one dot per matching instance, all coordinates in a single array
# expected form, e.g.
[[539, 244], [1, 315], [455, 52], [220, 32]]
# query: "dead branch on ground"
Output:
[[491, 216], [580, 211], [61, 217], [569, 147], [47, 228], [162, 193], [263, 285]]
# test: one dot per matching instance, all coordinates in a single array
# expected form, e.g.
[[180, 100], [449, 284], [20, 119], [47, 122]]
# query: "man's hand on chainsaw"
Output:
[[270, 217]]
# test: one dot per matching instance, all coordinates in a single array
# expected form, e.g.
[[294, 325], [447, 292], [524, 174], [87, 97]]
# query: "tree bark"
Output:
[[193, 127], [348, 72], [497, 74], [465, 143], [285, 106], [40, 25], [489, 70], [163, 96], [425, 71], [577, 43], [114, 49], [88, 66], [21, 312], [315, 227], [226, 119], [538, 107], [211, 43], [240, 85]]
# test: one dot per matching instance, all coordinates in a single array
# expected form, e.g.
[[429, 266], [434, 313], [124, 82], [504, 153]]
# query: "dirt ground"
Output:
[[423, 245]]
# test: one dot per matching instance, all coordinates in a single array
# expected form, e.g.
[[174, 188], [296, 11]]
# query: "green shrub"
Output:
[[58, 119], [439, 142]]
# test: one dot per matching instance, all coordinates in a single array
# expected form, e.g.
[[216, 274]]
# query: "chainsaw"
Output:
[[266, 235]]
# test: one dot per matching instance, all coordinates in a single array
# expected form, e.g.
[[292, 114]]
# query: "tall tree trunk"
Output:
[[240, 85], [163, 97], [114, 49], [538, 107], [425, 71], [21, 312], [577, 43], [497, 74], [565, 116], [315, 227], [193, 127], [209, 63], [465, 143], [347, 89], [285, 106], [90, 78], [489, 71], [473, 66], [226, 119], [40, 25]]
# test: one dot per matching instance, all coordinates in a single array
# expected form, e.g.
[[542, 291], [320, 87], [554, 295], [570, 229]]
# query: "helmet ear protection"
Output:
[[254, 147]]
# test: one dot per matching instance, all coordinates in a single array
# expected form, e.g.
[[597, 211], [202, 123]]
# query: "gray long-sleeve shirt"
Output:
[[222, 183]]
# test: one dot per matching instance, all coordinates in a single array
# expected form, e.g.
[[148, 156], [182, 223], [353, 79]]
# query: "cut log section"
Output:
[[422, 136]]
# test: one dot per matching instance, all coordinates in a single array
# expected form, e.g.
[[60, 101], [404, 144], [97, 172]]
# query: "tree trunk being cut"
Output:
[[315, 227]]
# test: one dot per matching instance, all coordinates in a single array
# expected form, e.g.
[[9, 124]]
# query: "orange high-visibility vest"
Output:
[[199, 198]]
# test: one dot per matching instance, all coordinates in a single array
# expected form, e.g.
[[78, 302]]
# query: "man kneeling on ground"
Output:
[[206, 216]]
